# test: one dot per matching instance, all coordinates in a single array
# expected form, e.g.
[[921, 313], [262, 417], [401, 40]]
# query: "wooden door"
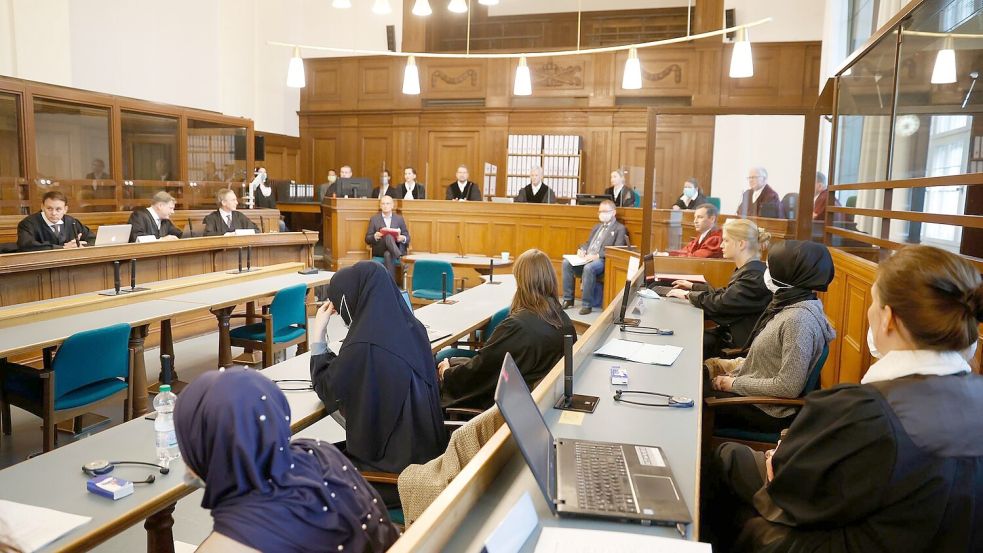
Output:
[[447, 150]]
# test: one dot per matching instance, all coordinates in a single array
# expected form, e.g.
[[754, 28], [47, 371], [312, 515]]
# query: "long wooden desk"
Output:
[[474, 503], [42, 324], [490, 228]]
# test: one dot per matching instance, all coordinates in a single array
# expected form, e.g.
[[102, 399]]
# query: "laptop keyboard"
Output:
[[602, 479]]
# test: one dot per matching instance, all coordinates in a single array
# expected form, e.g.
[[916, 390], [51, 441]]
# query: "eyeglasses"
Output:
[[605, 211], [754, 178]]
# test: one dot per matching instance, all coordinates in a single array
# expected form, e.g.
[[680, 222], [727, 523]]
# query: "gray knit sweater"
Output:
[[780, 357]]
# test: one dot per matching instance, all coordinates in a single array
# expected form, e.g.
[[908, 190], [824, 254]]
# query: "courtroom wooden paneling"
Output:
[[282, 156], [447, 150], [347, 117]]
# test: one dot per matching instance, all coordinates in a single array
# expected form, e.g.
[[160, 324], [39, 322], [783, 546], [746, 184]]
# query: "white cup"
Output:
[[505, 256]]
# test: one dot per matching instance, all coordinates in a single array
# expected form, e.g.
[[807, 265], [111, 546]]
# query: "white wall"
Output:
[[744, 141]]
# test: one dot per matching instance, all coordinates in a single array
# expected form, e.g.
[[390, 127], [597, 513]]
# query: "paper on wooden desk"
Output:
[[576, 540], [575, 259], [31, 528]]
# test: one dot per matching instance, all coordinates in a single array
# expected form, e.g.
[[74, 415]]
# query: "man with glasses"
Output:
[[608, 232], [760, 199]]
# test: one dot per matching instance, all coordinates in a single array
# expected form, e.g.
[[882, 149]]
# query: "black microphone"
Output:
[[75, 228], [249, 258], [166, 368], [443, 287], [460, 245], [116, 276], [191, 228], [310, 256], [240, 260], [491, 270], [568, 366], [133, 274]]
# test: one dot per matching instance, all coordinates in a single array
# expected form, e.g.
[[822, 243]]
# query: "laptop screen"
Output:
[[527, 425]]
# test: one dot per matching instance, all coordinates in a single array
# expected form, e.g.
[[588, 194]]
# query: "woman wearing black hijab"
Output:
[[265, 492], [785, 343], [383, 379]]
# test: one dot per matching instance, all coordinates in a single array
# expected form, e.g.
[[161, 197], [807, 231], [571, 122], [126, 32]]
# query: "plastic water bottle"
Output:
[[166, 438]]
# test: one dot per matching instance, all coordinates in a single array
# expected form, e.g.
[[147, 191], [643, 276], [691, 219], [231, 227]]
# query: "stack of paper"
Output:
[[640, 352], [31, 528], [575, 259]]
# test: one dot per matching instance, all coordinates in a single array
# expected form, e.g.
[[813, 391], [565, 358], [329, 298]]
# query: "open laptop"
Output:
[[113, 234], [607, 480]]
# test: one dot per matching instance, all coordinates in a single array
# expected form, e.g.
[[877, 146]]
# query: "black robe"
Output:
[[888, 466], [33, 233], [215, 225], [625, 199], [699, 200], [143, 225], [534, 344], [419, 191], [471, 192], [544, 196], [383, 379], [735, 307], [262, 201]]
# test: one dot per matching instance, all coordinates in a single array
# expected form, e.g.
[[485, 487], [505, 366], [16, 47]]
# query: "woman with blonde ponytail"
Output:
[[735, 307]]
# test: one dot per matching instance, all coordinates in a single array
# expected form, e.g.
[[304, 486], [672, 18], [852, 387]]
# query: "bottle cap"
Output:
[[165, 388]]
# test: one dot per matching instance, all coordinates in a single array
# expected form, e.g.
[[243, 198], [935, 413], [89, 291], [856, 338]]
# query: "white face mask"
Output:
[[689, 192], [773, 285], [385, 180], [870, 344], [604, 217]]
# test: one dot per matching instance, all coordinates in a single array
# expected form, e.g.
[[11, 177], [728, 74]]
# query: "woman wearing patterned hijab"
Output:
[[266, 492]]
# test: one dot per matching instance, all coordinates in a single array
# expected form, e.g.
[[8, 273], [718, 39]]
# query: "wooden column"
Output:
[[137, 336], [160, 536]]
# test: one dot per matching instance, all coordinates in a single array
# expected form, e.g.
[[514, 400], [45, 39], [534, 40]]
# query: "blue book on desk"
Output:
[[109, 486]]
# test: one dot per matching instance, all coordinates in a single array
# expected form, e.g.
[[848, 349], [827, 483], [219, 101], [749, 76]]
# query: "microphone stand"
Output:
[[116, 283], [133, 277], [312, 270], [491, 272]]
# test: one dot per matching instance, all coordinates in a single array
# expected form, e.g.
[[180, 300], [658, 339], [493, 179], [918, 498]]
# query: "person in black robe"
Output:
[[52, 227], [227, 218], [621, 194], [533, 333], [692, 197], [536, 192], [382, 380], [735, 308], [892, 464], [462, 189], [155, 220]]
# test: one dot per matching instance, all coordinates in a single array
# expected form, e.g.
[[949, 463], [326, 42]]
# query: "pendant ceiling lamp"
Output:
[[422, 7], [458, 6], [632, 79], [741, 63], [523, 80], [295, 71], [411, 77], [944, 71]]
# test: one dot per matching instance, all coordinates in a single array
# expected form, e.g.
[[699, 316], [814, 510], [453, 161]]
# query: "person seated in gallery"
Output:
[[388, 234], [327, 189], [155, 220], [536, 192], [462, 189], [735, 308], [760, 199], [621, 194], [382, 380], [533, 333], [410, 189], [263, 195], [385, 187], [785, 343], [706, 244], [52, 227], [894, 463], [820, 199], [227, 219], [267, 491], [692, 196], [98, 170], [608, 232]]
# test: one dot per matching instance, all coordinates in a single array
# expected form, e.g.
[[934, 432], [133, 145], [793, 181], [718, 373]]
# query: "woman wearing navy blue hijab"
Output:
[[265, 492], [382, 380]]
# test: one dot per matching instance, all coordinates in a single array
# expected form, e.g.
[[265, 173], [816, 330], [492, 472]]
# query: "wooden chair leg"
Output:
[[160, 536], [267, 357], [48, 435]]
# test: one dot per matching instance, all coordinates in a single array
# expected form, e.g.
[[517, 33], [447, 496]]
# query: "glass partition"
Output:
[[149, 146], [10, 155], [72, 141], [216, 159]]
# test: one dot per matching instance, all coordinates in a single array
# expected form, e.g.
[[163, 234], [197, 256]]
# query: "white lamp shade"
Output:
[[295, 71], [411, 78], [422, 7], [741, 64], [458, 6], [945, 64], [343, 4], [382, 7], [488, 2], [523, 80], [632, 79]]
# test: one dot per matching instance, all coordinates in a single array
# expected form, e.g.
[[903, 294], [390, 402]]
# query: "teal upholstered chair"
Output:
[[284, 323], [761, 440], [715, 201], [638, 198], [90, 369], [426, 283], [482, 334]]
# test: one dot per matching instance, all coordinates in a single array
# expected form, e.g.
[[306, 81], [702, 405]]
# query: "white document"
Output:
[[576, 540], [146, 238], [575, 259], [31, 528], [640, 352], [244, 231]]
